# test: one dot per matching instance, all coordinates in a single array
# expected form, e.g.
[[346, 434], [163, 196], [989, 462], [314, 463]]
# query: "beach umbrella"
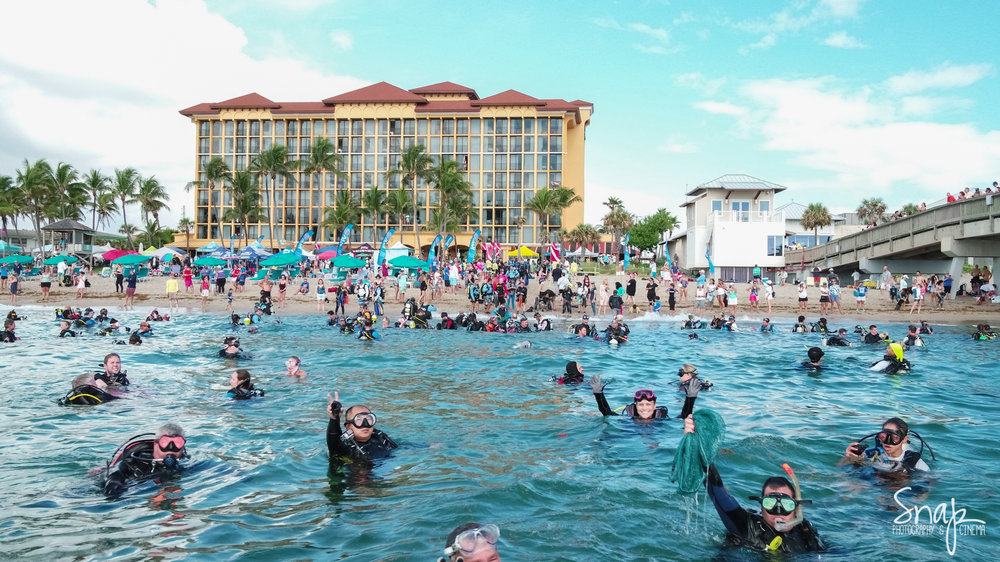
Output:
[[210, 261], [349, 262], [6, 247], [526, 252], [132, 259], [281, 259], [166, 252], [210, 247], [407, 261], [253, 252], [327, 254], [17, 259], [112, 255], [56, 259]]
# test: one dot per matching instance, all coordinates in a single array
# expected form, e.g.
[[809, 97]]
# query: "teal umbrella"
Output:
[[5, 247], [210, 261], [281, 259], [54, 260], [17, 259], [350, 262], [407, 261], [132, 259]]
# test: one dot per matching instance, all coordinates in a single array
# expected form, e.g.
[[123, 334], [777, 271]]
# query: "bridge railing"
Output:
[[954, 213]]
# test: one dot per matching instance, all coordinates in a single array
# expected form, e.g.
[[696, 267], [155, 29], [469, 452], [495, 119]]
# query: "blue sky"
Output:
[[836, 99]]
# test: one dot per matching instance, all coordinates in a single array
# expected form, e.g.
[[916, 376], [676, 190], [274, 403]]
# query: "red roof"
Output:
[[299, 107], [249, 101], [200, 109], [510, 97], [446, 88], [383, 92], [447, 106]]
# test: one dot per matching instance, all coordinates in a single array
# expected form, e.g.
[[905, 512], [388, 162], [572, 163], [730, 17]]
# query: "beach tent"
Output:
[[166, 251], [210, 247], [132, 259], [350, 262], [56, 259], [150, 251], [364, 249], [280, 260], [253, 252], [114, 254], [526, 252], [396, 250], [581, 251], [209, 261]]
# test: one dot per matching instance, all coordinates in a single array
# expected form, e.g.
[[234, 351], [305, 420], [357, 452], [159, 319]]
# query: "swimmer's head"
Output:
[[815, 354]]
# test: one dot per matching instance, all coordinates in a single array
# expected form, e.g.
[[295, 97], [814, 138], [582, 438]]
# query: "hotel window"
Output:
[[435, 145], [764, 207], [356, 180], [293, 144], [369, 162], [515, 144], [203, 146], [488, 184], [241, 163], [487, 162], [229, 146], [395, 126], [529, 161], [421, 126], [515, 126], [555, 162], [462, 126], [356, 163], [394, 145], [477, 145], [462, 144], [241, 128], [448, 127], [266, 130], [369, 182], [741, 210], [383, 127], [501, 126], [501, 144], [204, 128], [306, 128], [317, 128], [408, 142], [266, 143], [555, 144], [543, 162], [500, 180], [488, 127], [543, 143], [254, 145], [475, 126], [369, 126], [369, 145], [515, 196], [435, 126], [229, 128], [343, 127], [279, 128], [241, 145], [356, 144], [500, 162], [555, 125], [255, 128], [515, 161], [515, 182], [293, 127], [448, 144], [357, 127], [529, 143], [216, 128], [409, 126], [529, 125], [716, 206], [383, 145]]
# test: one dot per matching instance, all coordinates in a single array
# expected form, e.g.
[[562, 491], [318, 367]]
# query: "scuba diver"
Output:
[[521, 326], [765, 326], [573, 374], [359, 441], [892, 363], [892, 451], [643, 406], [617, 331], [140, 458], [840, 339], [112, 374], [692, 323], [925, 328], [475, 325], [815, 356], [821, 326], [778, 527], [231, 349], [144, 329], [446, 323], [689, 380], [85, 393], [240, 387], [984, 333], [345, 326], [368, 331], [872, 336], [12, 315], [113, 329], [102, 316], [912, 339], [800, 326], [64, 330], [730, 324], [155, 316], [542, 324], [472, 542], [332, 319], [586, 327]]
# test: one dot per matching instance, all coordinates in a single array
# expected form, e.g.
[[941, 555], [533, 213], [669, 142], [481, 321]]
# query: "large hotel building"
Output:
[[509, 144]]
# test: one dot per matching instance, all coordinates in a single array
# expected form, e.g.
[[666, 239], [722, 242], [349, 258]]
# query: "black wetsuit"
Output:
[[543, 325], [86, 394], [749, 529], [229, 354], [837, 341], [590, 329], [7, 336], [913, 340], [120, 379], [629, 410], [618, 333], [244, 392], [136, 461], [692, 325], [895, 365], [872, 338], [341, 444], [447, 324]]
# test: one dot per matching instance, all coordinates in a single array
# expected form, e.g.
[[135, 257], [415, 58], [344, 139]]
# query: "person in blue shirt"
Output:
[[860, 294]]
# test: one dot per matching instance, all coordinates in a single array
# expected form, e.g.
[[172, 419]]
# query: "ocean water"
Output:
[[485, 436]]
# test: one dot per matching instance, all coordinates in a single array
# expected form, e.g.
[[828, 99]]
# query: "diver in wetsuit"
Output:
[[892, 362], [872, 336], [780, 509], [589, 329], [839, 340], [85, 393], [573, 374], [644, 405], [542, 324], [231, 349], [240, 387], [984, 333], [689, 381], [368, 331], [146, 458], [65, 331], [113, 374], [892, 451], [616, 331], [692, 323], [360, 441]]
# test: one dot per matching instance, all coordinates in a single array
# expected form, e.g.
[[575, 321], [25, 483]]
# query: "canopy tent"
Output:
[[526, 252], [581, 251], [253, 252], [210, 247], [99, 250], [350, 262], [408, 261], [396, 250], [54, 260], [150, 251], [221, 253], [163, 252], [365, 248], [5, 247], [209, 261], [132, 259]]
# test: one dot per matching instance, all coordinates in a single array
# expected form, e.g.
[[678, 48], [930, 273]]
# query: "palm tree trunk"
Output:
[[416, 231], [125, 222], [270, 211]]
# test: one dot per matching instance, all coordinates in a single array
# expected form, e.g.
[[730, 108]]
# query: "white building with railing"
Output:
[[733, 220]]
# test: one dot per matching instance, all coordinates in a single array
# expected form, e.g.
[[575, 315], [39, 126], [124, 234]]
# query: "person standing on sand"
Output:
[[119, 278], [206, 292], [130, 283], [188, 281], [172, 288]]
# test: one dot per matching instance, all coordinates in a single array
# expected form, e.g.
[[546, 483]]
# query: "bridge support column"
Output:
[[955, 270]]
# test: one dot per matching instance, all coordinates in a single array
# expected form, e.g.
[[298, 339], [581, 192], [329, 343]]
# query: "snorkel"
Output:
[[785, 526]]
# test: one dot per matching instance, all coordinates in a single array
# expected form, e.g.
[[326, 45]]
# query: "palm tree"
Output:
[[129, 230], [106, 207], [543, 204], [375, 202], [245, 194], [452, 189], [815, 216], [185, 225], [124, 187], [413, 165], [585, 235], [10, 204], [520, 221], [34, 187], [151, 197], [399, 203], [69, 194], [344, 212], [216, 173], [911, 209], [272, 163], [97, 184], [871, 210], [323, 159], [617, 221], [151, 234]]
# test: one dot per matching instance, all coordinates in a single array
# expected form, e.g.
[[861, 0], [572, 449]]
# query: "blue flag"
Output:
[[472, 246], [708, 256], [343, 237], [298, 247], [385, 241], [627, 257], [447, 244], [434, 245]]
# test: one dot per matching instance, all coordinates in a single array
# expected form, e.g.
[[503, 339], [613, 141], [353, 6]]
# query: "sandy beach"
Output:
[[151, 294]]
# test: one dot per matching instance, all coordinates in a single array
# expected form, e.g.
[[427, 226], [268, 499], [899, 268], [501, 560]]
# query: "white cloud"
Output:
[[107, 93], [342, 39], [677, 147], [700, 82], [944, 77], [865, 140], [720, 108], [927, 106], [841, 40], [657, 33], [797, 16], [660, 35], [842, 8]]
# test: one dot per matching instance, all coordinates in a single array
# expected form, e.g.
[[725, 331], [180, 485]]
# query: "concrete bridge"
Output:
[[935, 241]]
